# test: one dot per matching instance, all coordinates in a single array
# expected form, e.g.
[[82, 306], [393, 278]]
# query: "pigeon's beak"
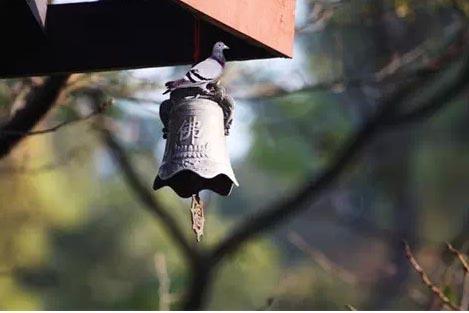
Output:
[[225, 47]]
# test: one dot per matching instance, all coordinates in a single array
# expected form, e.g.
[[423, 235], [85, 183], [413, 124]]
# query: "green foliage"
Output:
[[30, 207], [298, 134], [247, 279]]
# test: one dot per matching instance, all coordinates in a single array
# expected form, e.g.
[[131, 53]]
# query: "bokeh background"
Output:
[[72, 235]]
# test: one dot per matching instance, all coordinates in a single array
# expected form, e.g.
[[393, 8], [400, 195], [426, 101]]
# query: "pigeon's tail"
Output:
[[173, 85]]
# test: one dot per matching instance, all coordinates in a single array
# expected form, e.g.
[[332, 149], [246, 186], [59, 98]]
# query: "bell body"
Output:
[[196, 155]]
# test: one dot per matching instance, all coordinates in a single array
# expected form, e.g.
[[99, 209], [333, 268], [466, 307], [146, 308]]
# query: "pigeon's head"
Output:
[[217, 52], [219, 47]]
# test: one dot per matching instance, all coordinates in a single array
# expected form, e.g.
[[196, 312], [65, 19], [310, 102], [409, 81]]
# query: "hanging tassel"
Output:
[[198, 218]]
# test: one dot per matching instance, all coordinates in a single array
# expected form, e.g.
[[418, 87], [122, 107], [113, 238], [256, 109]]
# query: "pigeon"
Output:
[[203, 73]]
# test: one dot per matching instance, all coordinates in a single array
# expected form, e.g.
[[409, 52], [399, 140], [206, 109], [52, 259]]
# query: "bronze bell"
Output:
[[196, 156]]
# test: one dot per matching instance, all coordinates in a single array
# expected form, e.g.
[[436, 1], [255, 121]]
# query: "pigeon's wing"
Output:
[[206, 71], [200, 74]]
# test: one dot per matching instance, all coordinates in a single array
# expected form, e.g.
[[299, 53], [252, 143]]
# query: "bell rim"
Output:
[[206, 176], [225, 190]]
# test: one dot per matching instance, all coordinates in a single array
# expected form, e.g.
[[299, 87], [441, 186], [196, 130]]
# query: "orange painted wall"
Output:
[[268, 22]]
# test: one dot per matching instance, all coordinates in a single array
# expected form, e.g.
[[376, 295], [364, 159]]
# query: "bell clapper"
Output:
[[198, 218]]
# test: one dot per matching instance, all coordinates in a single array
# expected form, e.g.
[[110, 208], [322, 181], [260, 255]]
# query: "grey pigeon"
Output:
[[203, 73]]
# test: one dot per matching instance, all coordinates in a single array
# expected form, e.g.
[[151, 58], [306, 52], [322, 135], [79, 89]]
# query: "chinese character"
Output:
[[190, 129]]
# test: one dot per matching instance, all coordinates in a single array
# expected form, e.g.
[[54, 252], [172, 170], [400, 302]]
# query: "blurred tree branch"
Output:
[[375, 124], [164, 282], [321, 13], [100, 109], [39, 101], [279, 212], [145, 196], [388, 117], [204, 264]]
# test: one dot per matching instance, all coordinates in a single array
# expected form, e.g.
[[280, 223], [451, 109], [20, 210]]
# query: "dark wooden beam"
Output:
[[114, 34], [19, 28]]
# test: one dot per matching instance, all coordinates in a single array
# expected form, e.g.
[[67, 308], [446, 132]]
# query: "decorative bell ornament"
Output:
[[196, 157]]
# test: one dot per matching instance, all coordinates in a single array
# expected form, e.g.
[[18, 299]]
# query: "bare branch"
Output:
[[460, 256], [465, 290], [426, 280]]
